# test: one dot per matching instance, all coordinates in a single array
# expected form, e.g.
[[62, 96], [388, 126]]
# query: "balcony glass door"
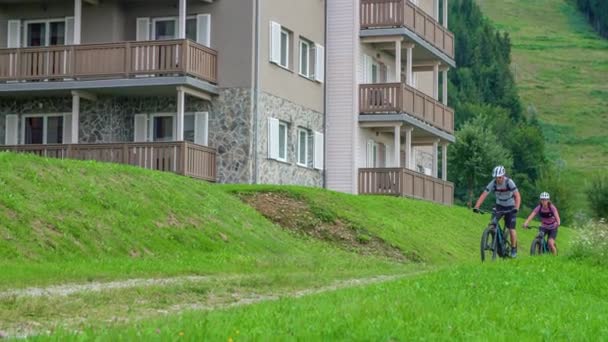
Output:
[[45, 33]]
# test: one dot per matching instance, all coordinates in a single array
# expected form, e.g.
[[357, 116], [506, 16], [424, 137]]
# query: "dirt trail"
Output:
[[238, 299]]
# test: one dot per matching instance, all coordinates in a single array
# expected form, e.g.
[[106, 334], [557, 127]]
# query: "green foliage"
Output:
[[484, 88], [592, 243], [596, 12], [597, 194], [473, 156]]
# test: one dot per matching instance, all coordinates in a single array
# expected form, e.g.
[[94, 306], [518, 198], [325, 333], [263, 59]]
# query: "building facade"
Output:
[[388, 120], [126, 79]]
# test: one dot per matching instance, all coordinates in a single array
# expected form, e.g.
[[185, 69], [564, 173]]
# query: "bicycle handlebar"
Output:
[[495, 212]]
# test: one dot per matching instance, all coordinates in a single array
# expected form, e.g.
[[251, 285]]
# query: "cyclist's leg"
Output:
[[552, 236], [510, 224]]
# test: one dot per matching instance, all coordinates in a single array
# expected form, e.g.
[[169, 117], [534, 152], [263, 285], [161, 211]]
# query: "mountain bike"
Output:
[[540, 244], [494, 239]]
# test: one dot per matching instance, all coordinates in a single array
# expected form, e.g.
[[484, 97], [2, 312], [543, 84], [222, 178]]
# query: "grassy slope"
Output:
[[531, 299], [561, 67]]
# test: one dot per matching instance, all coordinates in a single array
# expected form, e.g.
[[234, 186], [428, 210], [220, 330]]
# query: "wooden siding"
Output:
[[405, 182], [402, 13], [401, 98], [112, 60], [181, 157], [342, 52]]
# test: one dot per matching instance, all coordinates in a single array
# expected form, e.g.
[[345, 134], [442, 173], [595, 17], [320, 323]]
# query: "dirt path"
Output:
[[238, 299]]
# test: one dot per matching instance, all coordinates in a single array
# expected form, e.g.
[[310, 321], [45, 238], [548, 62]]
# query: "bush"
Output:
[[597, 194], [592, 243]]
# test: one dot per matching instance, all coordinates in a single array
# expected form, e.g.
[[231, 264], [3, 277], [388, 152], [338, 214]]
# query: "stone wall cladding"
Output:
[[276, 172], [110, 119]]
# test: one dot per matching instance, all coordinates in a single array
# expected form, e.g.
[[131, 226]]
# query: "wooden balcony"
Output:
[[401, 98], [402, 13], [405, 182], [181, 157], [112, 60]]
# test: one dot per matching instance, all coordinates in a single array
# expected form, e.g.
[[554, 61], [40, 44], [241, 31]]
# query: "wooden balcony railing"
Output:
[[112, 60], [181, 157], [402, 13], [405, 182], [401, 98]]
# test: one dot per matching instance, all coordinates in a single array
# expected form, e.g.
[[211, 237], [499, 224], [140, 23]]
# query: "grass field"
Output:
[[561, 69], [194, 258]]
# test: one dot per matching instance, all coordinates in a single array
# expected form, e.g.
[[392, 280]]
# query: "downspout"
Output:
[[256, 90], [325, 101]]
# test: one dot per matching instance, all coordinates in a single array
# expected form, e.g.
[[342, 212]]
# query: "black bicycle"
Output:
[[540, 244], [495, 240]]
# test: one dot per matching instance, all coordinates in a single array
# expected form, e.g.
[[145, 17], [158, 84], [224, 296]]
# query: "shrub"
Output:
[[597, 194], [592, 243]]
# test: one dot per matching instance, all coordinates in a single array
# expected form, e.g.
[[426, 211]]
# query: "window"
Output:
[[162, 127], [303, 147], [164, 28], [372, 153], [280, 40], [305, 64], [42, 129], [283, 129], [284, 48], [198, 28], [45, 32]]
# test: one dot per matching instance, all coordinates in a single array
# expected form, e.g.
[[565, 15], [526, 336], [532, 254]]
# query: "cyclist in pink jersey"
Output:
[[549, 219]]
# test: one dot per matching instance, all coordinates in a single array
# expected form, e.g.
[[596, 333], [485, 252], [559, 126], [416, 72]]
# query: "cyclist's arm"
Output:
[[556, 214], [481, 198], [517, 199], [532, 215]]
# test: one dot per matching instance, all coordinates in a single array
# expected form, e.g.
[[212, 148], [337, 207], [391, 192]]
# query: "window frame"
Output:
[[306, 146], [287, 46], [286, 143], [154, 20], [308, 44], [47, 31], [44, 126]]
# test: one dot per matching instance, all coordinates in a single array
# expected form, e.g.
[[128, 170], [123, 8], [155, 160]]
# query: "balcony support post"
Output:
[[75, 117], [179, 126], [408, 75], [181, 21], [444, 95], [444, 161], [408, 147], [445, 13], [397, 152], [436, 10], [77, 21], [436, 81], [398, 60], [435, 157]]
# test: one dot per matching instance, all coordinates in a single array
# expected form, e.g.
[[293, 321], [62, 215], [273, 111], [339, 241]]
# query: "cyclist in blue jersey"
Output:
[[508, 200]]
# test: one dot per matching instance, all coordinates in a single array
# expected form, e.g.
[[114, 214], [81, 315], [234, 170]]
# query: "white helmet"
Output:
[[498, 171], [544, 195]]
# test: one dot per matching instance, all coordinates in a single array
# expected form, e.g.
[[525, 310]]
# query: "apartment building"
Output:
[[225, 90], [388, 121]]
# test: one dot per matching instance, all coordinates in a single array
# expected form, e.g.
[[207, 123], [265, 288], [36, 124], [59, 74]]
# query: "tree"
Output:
[[474, 155]]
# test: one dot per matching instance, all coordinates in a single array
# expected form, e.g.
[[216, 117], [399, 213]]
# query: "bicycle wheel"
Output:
[[537, 247], [488, 244]]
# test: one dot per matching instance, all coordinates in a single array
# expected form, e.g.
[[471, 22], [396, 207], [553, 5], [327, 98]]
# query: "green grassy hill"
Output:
[[74, 223], [561, 69]]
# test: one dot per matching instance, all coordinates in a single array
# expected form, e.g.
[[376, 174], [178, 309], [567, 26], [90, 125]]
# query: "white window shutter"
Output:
[[201, 128], [143, 29], [11, 129], [203, 29], [319, 63], [273, 138], [275, 42], [14, 34], [141, 128], [69, 30], [319, 151], [370, 153], [67, 129], [368, 69]]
